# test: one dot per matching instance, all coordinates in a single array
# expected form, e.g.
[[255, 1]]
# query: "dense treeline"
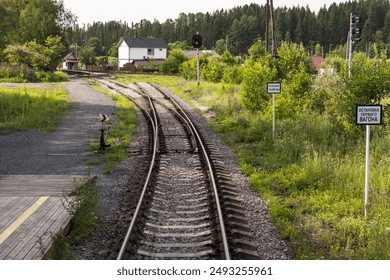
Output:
[[32, 41], [239, 27]]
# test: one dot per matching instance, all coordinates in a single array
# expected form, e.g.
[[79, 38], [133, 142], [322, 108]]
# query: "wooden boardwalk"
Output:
[[31, 211]]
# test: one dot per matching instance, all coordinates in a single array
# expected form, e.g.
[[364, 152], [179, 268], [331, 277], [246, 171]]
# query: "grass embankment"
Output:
[[25, 108], [311, 175], [121, 129]]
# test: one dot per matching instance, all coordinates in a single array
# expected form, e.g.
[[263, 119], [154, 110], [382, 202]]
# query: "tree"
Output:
[[40, 57], [243, 33], [369, 82], [255, 78], [172, 64], [220, 46], [29, 54], [257, 50], [87, 56], [54, 49], [39, 20]]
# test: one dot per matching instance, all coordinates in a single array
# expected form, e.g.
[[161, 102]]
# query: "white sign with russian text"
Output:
[[369, 114], [274, 88]]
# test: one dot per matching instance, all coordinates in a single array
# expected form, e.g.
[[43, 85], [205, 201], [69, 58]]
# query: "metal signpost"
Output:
[[368, 115], [273, 88]]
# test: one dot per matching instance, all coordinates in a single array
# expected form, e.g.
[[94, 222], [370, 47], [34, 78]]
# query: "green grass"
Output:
[[311, 176], [24, 108], [121, 129], [82, 207]]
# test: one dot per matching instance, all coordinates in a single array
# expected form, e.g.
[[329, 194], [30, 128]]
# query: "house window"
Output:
[[150, 51]]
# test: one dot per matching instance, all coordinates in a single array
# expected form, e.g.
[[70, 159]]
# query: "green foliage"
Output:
[[181, 45], [82, 207], [369, 82], [26, 108], [254, 84], [33, 20], [257, 50], [17, 74], [87, 56], [172, 64], [51, 77], [61, 248], [290, 59], [39, 57], [213, 70], [233, 75], [228, 59]]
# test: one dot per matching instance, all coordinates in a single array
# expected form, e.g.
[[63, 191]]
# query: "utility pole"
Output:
[[267, 26], [270, 28], [273, 29]]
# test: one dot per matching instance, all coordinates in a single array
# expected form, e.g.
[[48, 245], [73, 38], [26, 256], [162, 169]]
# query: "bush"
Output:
[[172, 64], [48, 77], [17, 74]]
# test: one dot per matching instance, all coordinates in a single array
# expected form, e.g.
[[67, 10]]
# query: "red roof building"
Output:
[[70, 62], [317, 62]]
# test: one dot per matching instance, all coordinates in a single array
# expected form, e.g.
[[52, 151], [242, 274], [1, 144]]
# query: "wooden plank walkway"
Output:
[[31, 211]]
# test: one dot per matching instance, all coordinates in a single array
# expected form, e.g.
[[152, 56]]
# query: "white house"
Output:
[[133, 49]]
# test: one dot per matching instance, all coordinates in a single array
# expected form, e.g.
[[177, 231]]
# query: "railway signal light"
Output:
[[355, 30], [197, 41], [353, 37]]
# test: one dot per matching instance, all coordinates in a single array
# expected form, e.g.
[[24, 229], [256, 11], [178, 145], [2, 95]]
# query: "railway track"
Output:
[[188, 208]]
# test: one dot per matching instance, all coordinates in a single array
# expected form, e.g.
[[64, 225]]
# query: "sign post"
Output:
[[368, 115], [273, 88]]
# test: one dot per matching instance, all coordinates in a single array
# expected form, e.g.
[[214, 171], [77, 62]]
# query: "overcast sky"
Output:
[[89, 11]]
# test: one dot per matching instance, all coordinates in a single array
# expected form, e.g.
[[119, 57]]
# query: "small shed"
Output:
[[138, 49], [70, 62]]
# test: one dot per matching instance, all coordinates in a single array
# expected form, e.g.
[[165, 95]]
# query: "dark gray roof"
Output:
[[146, 42]]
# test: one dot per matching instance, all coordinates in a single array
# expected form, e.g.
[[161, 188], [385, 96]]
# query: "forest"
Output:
[[239, 27], [24, 30]]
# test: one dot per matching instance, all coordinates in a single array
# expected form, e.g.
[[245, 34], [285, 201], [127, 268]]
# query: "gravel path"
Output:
[[67, 151]]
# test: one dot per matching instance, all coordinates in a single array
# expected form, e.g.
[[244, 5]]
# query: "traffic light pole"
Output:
[[197, 43], [350, 46], [198, 67]]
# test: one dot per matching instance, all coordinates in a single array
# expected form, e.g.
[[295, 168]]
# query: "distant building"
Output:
[[317, 62], [141, 49], [193, 53], [70, 62]]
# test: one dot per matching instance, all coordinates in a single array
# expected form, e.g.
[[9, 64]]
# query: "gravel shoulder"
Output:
[[67, 151]]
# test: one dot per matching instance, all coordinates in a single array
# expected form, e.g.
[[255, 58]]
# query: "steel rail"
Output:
[[154, 122], [211, 173]]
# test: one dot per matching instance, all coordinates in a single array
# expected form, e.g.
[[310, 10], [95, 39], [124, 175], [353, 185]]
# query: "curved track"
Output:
[[180, 214]]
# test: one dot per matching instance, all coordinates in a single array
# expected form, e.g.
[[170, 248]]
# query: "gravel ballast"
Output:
[[67, 151]]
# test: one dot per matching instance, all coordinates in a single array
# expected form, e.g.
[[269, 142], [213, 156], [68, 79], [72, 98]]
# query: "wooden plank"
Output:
[[25, 232], [6, 203], [38, 185], [34, 242], [14, 211], [59, 224]]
